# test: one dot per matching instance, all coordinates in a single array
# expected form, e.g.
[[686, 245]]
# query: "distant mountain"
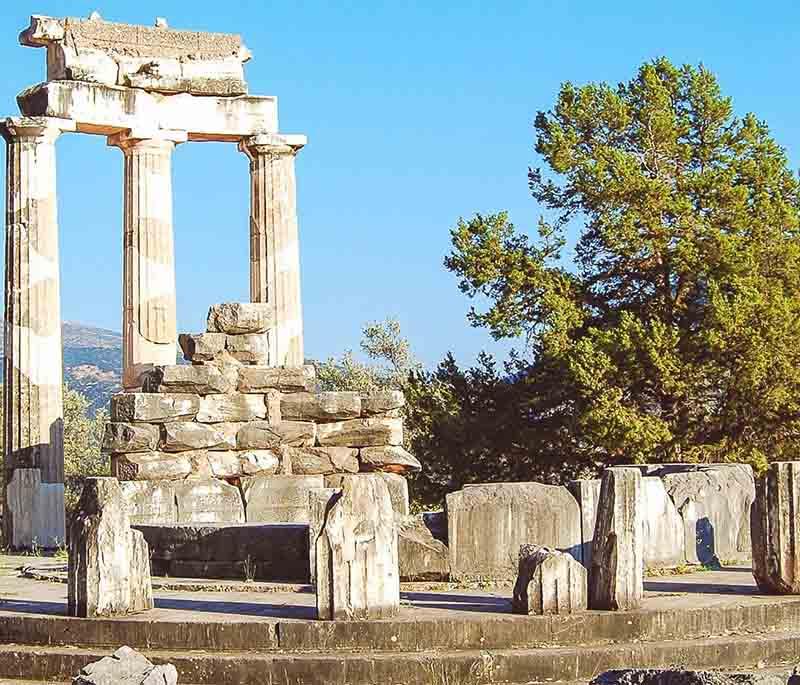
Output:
[[92, 361]]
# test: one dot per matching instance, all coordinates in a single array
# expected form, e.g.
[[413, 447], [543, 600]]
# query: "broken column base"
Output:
[[548, 582]]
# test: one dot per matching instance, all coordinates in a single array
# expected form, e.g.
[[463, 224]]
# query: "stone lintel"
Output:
[[273, 143], [105, 110], [138, 137], [35, 127]]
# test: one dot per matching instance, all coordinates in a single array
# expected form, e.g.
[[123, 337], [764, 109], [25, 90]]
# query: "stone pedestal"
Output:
[[357, 573], [617, 569], [109, 563], [548, 582], [775, 529], [274, 248], [33, 404], [149, 333]]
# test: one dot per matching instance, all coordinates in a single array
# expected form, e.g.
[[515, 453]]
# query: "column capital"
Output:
[[140, 139], [272, 144], [45, 128]]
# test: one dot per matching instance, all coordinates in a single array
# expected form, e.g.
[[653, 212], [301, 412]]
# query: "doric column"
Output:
[[149, 329], [274, 248], [33, 405]]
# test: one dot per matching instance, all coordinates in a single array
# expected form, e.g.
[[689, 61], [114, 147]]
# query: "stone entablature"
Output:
[[231, 418], [153, 58]]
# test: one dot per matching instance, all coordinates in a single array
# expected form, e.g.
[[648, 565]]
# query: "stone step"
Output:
[[475, 667]]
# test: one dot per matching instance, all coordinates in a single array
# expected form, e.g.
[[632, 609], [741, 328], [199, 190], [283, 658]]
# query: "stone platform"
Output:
[[443, 634]]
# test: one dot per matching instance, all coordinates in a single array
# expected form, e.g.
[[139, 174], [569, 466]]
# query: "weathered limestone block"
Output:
[[201, 347], [283, 378], [775, 529], [264, 462], [153, 408], [110, 109], [548, 582], [151, 465], [238, 318], [274, 244], [586, 493], [320, 501], [396, 484], [33, 514], [150, 502], [357, 575], [391, 458], [382, 401], [677, 676], [181, 436], [714, 501], [126, 667], [208, 501], [421, 555], [272, 398], [374, 432], [199, 380], [488, 523], [663, 531], [265, 435], [279, 499], [227, 408], [617, 570], [109, 566], [323, 460], [130, 437], [322, 406], [251, 348]]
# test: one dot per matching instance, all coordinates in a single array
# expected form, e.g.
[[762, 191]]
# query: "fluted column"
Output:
[[274, 247], [149, 329], [33, 420]]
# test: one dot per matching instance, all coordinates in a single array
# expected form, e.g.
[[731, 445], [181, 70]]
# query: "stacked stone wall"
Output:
[[231, 439]]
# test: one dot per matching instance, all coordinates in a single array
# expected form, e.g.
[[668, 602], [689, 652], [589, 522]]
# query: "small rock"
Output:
[[126, 667]]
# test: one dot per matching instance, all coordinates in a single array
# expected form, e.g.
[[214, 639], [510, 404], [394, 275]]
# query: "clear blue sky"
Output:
[[416, 113]]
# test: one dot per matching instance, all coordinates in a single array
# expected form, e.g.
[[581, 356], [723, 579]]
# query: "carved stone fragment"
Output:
[[548, 582]]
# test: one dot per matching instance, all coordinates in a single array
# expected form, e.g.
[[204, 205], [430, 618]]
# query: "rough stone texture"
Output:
[[641, 676], [180, 436], [237, 318], [382, 401], [586, 492], [322, 406], [33, 514], [236, 407], [109, 110], [663, 532], [199, 380], [323, 460], [283, 378], [149, 331], [201, 347], [775, 529], [392, 459], [151, 465], [265, 552], [357, 576], [396, 484], [548, 582], [714, 502], [279, 499], [126, 667], [150, 502], [109, 570], [421, 555], [147, 57], [374, 432], [320, 501], [208, 501], [487, 524], [252, 348], [265, 435], [274, 245], [152, 408], [617, 570], [130, 437], [32, 398]]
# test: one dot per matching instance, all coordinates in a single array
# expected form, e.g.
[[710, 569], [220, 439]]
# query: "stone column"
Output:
[[33, 424], [274, 248], [149, 329], [775, 529]]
